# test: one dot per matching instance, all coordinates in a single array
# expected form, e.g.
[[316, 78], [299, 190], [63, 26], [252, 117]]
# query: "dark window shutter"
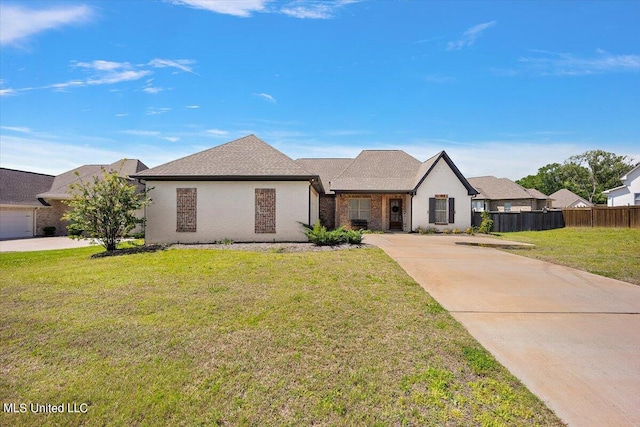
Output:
[[432, 210], [452, 210]]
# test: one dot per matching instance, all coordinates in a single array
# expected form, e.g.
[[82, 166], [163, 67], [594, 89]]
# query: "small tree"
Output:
[[104, 209], [487, 223]]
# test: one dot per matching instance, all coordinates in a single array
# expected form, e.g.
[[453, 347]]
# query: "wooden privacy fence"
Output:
[[522, 221], [603, 216]]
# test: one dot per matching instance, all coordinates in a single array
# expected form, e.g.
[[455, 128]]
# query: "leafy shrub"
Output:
[[446, 231], [320, 236], [49, 230], [469, 230], [455, 231], [487, 223], [138, 235], [354, 237], [426, 230], [226, 241], [74, 231]]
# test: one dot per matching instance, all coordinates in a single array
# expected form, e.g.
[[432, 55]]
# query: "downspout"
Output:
[[413, 193], [309, 205]]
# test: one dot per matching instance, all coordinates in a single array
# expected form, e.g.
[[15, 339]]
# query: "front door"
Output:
[[395, 214]]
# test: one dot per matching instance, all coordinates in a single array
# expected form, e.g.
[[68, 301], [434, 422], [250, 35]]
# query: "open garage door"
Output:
[[16, 224]]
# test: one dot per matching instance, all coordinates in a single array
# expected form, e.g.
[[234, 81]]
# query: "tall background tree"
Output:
[[104, 208], [587, 175]]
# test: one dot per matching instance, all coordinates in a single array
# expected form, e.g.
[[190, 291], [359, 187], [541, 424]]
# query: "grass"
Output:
[[204, 337], [610, 252]]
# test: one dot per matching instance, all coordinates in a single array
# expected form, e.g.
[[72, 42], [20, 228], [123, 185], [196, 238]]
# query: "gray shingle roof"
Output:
[[60, 187], [21, 188], [492, 188], [243, 158], [379, 170], [564, 198], [327, 169]]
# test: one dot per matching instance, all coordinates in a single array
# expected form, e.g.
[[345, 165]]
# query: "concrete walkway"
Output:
[[573, 338], [41, 244]]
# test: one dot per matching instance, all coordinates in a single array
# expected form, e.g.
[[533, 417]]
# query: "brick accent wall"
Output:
[[187, 209], [328, 211], [52, 216], [342, 210], [265, 217]]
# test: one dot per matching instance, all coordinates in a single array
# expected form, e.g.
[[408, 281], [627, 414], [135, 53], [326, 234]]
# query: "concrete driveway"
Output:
[[41, 244], [573, 338]]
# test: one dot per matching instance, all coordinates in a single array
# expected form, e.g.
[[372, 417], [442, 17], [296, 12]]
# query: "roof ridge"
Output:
[[34, 173]]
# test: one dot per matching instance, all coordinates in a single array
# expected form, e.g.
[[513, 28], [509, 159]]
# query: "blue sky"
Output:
[[504, 87]]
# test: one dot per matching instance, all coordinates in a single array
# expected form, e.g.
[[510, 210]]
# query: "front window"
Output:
[[636, 199], [441, 209], [478, 205], [507, 207], [360, 209]]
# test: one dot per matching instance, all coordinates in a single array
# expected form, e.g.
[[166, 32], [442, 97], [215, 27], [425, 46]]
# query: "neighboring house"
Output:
[[19, 204], [246, 190], [504, 195], [628, 193], [59, 190], [567, 199]]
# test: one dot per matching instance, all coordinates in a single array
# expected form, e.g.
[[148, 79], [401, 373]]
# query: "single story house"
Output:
[[246, 190], [60, 190], [564, 198], [20, 207], [504, 195], [628, 194]]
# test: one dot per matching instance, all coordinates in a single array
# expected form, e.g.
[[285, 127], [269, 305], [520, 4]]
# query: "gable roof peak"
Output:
[[245, 157]]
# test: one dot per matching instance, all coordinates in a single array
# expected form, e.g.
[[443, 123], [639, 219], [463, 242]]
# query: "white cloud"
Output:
[[152, 90], [301, 9], [7, 92], [193, 107], [122, 114], [102, 65], [170, 138], [180, 64], [217, 132], [109, 73], [266, 96], [470, 36], [566, 64], [243, 8], [135, 132], [16, 129], [306, 10], [153, 111], [18, 23]]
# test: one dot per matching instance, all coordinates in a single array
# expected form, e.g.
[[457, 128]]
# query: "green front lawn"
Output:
[[207, 337], [610, 252]]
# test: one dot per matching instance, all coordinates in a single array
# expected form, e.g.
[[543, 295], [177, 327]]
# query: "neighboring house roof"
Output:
[[624, 178], [243, 159], [492, 188], [536, 194], [21, 188], [327, 169], [566, 198], [61, 184], [379, 170]]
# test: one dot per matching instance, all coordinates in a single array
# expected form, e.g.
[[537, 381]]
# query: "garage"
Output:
[[15, 224]]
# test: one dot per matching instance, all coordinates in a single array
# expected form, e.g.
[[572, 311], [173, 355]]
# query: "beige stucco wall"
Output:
[[226, 210], [441, 180]]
